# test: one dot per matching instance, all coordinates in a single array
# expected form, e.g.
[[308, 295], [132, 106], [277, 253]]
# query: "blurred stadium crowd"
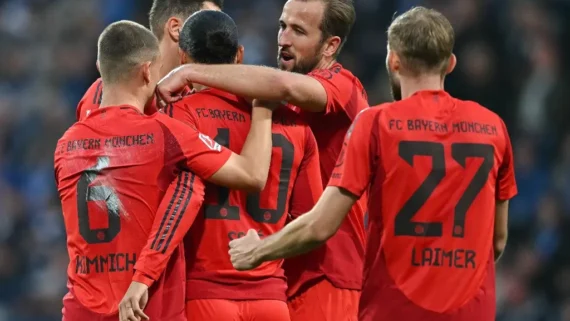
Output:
[[511, 59]]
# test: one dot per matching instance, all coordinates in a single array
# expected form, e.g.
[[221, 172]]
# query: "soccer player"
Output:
[[112, 170], [324, 284], [439, 172], [166, 18], [215, 290]]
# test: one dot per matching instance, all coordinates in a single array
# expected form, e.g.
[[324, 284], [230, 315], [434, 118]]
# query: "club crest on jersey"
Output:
[[210, 142]]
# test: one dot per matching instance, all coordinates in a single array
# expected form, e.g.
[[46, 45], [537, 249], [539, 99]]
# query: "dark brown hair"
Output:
[[122, 47], [162, 10], [338, 19], [424, 40]]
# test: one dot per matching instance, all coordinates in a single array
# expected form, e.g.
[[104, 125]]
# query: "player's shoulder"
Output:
[[336, 73], [475, 108], [94, 92]]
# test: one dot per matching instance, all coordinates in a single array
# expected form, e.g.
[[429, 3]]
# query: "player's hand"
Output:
[[172, 87], [271, 105], [132, 305], [242, 251]]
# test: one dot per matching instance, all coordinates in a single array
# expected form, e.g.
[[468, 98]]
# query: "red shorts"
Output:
[[324, 302], [229, 310], [158, 309]]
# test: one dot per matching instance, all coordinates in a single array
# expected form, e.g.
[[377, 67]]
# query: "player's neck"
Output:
[[169, 60], [325, 63], [411, 85], [117, 95]]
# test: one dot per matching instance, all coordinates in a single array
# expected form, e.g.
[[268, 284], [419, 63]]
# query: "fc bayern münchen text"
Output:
[[440, 127]]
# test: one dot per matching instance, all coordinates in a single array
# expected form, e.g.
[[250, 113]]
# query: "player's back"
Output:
[[230, 214], [91, 101], [112, 173], [432, 209]]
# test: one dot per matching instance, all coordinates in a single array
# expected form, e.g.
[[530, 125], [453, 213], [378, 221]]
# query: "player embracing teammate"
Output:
[[434, 172], [324, 284], [439, 173]]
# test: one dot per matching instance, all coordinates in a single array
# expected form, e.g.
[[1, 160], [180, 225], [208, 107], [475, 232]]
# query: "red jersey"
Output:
[[340, 259], [92, 100], [434, 167], [112, 171], [293, 186]]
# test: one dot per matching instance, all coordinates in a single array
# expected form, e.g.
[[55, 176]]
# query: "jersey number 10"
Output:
[[223, 210], [404, 226]]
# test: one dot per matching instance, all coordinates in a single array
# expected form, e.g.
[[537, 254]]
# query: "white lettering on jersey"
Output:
[[210, 142]]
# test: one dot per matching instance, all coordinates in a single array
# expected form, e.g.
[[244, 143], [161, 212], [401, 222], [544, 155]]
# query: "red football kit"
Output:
[[434, 167], [112, 170], [293, 186], [339, 261], [92, 100]]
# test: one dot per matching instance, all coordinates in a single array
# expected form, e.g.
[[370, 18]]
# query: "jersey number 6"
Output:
[[86, 193], [223, 210], [404, 226]]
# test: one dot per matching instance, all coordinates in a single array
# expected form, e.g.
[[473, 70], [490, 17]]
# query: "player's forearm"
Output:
[[259, 82], [256, 151], [297, 237]]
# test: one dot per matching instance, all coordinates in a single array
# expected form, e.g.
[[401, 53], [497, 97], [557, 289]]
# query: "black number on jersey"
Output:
[[223, 210], [86, 193], [404, 226], [253, 207]]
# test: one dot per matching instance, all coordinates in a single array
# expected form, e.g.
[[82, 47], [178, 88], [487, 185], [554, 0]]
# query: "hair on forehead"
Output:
[[123, 46], [423, 38], [162, 10]]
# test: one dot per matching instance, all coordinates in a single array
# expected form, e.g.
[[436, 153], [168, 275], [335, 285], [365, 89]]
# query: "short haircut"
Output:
[[210, 37], [123, 46], [162, 10], [338, 19], [424, 40]]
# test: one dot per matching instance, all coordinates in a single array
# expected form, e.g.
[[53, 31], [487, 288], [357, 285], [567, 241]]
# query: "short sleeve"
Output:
[[353, 169], [344, 91], [308, 185], [191, 150], [506, 183]]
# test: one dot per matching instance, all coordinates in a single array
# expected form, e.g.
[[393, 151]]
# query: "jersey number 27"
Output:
[[404, 226]]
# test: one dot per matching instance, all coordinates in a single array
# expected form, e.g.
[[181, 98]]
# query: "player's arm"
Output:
[[246, 171], [349, 180], [174, 217], [308, 185], [506, 189], [248, 81]]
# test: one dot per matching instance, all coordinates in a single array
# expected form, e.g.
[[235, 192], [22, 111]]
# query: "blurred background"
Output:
[[511, 59]]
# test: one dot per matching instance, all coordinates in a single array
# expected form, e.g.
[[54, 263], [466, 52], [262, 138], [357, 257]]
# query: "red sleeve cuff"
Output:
[[143, 278], [351, 189]]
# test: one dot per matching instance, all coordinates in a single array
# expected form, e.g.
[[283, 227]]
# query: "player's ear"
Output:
[[330, 46], [145, 71], [451, 65], [173, 26], [394, 63], [239, 54], [98, 68]]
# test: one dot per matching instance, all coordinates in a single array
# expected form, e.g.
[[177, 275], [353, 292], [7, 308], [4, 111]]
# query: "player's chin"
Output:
[[286, 64]]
